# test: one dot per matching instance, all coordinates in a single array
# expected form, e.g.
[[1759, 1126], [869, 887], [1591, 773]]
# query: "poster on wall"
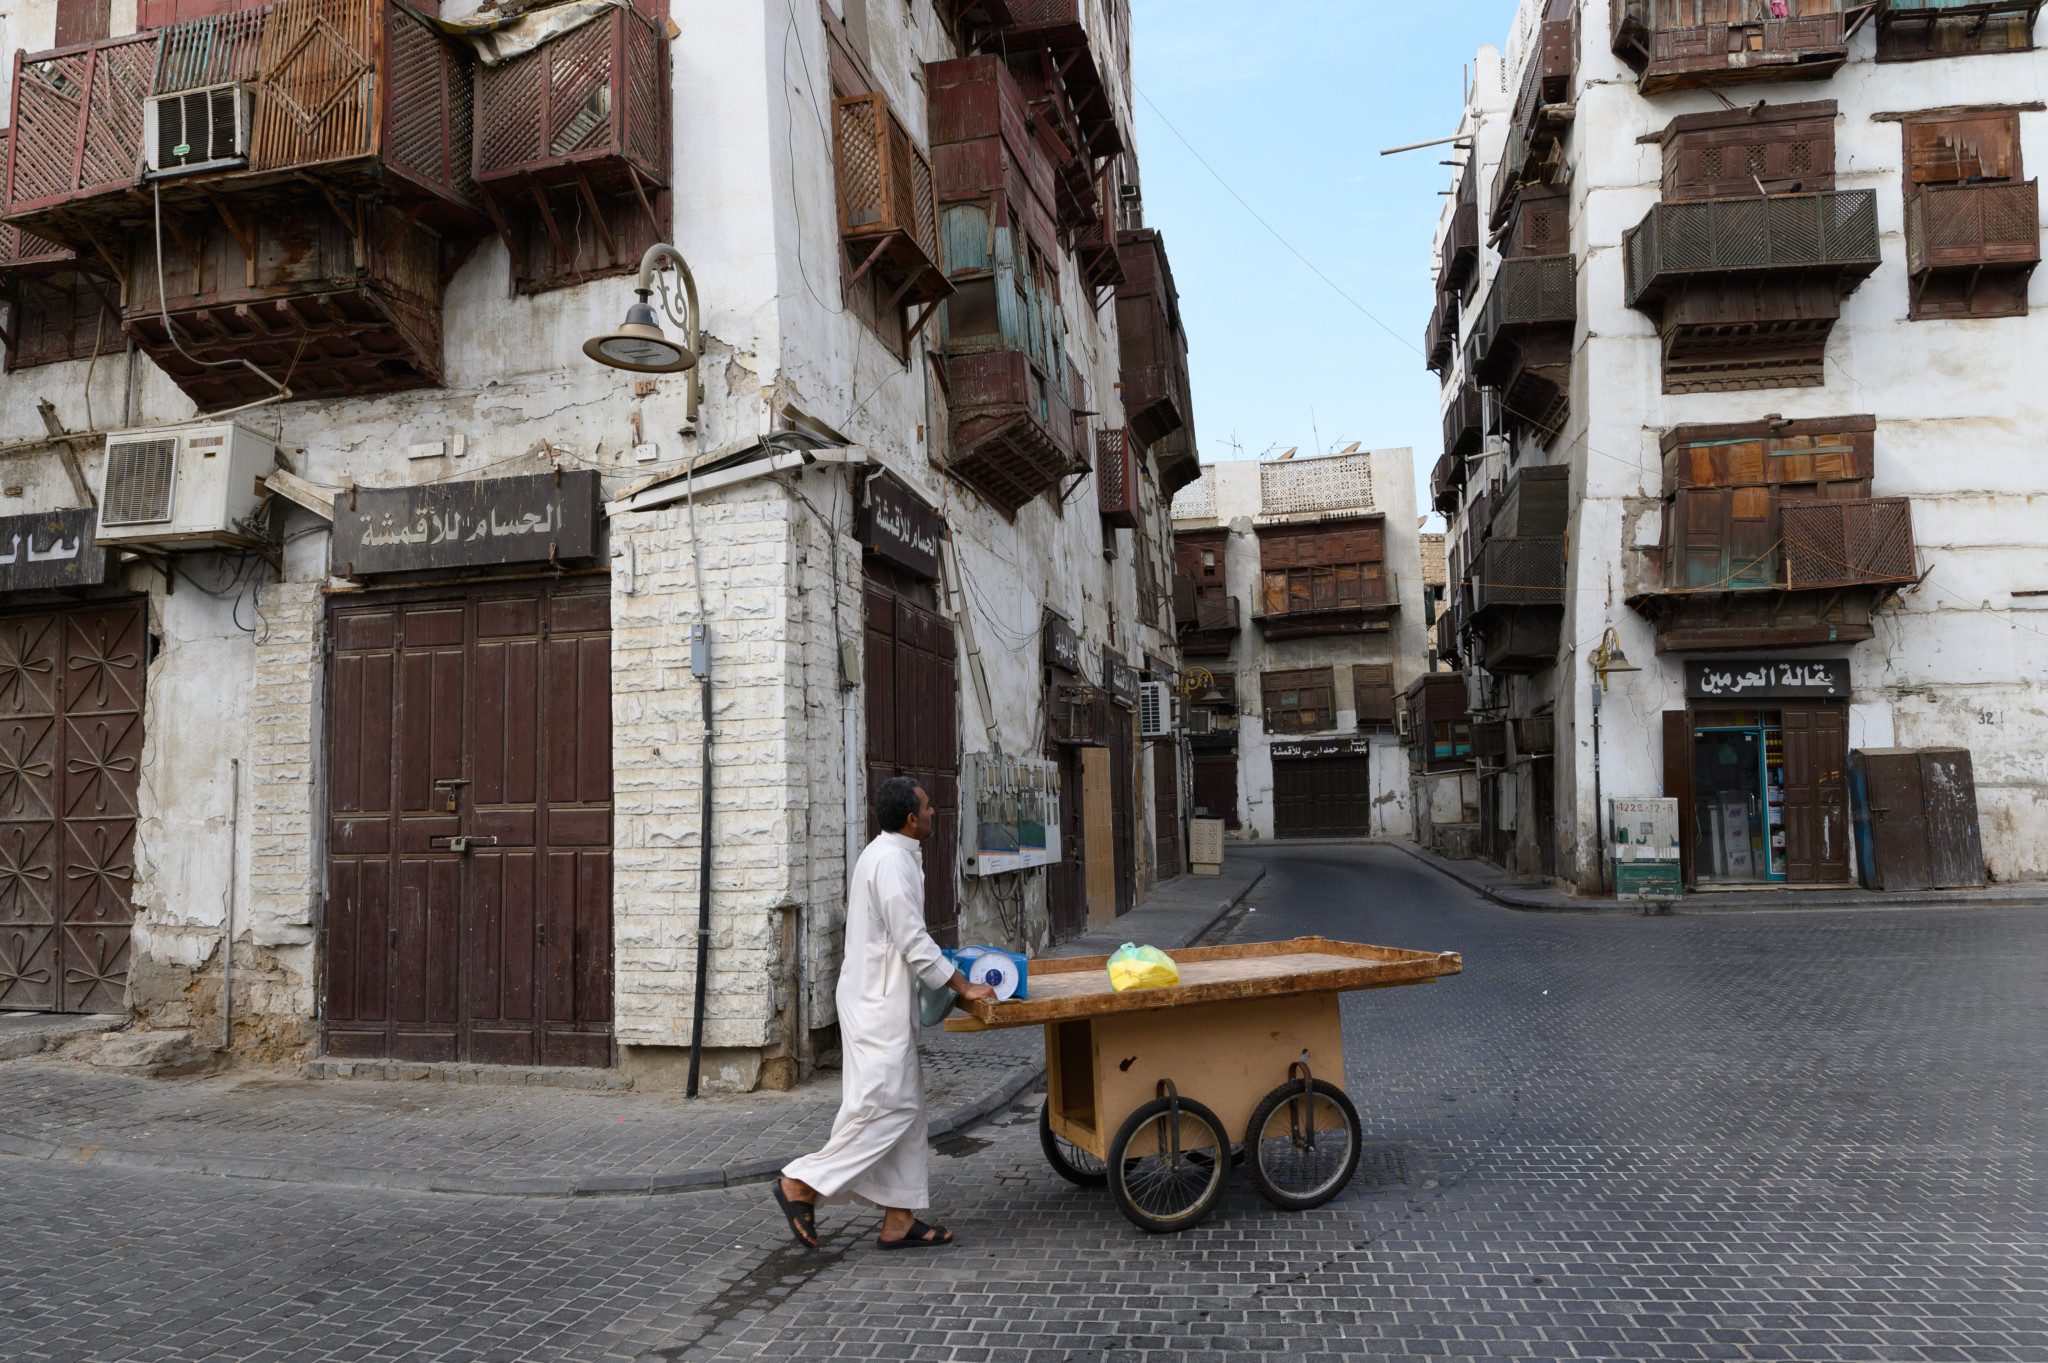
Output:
[[1015, 804], [1643, 843]]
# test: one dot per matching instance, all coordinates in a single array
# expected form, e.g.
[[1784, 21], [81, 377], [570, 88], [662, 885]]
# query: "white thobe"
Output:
[[879, 1151]]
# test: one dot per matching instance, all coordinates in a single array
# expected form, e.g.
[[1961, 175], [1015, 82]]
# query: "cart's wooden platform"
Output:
[[1078, 987]]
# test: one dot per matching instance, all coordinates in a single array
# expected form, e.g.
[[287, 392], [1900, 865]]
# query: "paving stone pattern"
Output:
[[474, 1131], [1796, 1136]]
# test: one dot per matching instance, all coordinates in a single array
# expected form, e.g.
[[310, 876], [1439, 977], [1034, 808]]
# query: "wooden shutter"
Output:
[[1678, 785], [1299, 700], [1372, 693], [1723, 156], [1951, 150], [82, 21]]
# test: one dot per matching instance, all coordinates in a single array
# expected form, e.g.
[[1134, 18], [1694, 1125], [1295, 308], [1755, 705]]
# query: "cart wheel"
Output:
[[1303, 1147], [1179, 1181], [1067, 1159]]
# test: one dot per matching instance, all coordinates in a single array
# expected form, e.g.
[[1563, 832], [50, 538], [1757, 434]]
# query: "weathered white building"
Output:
[[1737, 355], [420, 723], [1300, 592]]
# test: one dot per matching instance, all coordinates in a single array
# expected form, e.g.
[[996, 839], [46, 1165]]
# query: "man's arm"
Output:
[[900, 901]]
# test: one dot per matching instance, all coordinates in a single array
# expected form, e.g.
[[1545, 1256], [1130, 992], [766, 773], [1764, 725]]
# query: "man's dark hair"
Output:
[[895, 802]]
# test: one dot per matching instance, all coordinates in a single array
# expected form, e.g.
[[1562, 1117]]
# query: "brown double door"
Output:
[[71, 689], [470, 833], [912, 680]]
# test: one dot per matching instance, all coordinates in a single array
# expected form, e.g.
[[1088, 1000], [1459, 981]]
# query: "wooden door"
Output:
[[1678, 785], [71, 689], [1215, 787], [1898, 820], [1066, 881], [482, 715], [1955, 847], [1816, 793], [1123, 792], [1166, 809], [912, 677], [1099, 845]]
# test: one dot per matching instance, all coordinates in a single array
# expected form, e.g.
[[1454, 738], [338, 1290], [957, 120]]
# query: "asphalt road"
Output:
[[1790, 1136]]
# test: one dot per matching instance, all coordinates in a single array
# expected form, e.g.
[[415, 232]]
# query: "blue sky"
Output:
[[1291, 101]]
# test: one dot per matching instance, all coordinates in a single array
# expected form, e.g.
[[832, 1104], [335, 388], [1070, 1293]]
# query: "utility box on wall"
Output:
[[1643, 835]]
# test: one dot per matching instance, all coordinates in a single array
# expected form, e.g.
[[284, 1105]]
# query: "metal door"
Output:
[[71, 688], [1955, 847], [1898, 820], [1323, 798], [1166, 809], [469, 845], [912, 677]]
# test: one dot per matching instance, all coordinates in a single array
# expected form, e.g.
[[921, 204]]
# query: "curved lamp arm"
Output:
[[693, 334]]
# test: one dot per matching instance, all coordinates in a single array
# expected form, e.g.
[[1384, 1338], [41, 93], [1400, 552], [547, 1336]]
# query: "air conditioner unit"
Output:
[[197, 130], [171, 483], [1155, 710]]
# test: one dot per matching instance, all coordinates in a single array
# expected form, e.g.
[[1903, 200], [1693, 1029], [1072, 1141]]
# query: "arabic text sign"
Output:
[[1120, 679], [467, 524], [50, 549], [899, 528], [1062, 647], [1768, 679], [1300, 749]]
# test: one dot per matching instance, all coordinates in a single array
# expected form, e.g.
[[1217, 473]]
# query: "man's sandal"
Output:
[[920, 1236], [803, 1217]]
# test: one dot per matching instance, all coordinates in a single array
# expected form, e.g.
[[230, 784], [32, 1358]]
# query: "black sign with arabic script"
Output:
[[1741, 679], [1061, 646], [50, 549], [466, 525], [1311, 748], [1120, 679], [901, 529]]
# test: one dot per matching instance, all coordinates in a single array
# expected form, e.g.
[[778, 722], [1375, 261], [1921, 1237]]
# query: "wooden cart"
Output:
[[1148, 1091]]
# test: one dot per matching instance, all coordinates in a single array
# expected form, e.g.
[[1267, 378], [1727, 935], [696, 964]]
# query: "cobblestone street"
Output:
[[1798, 1136]]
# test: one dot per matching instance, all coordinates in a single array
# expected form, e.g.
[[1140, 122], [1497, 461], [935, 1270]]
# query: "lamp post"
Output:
[[640, 347], [1606, 660]]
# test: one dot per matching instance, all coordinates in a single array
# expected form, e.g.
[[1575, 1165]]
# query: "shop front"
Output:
[[1758, 761]]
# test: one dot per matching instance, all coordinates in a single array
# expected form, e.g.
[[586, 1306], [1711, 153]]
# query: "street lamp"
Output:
[[639, 345], [1606, 660]]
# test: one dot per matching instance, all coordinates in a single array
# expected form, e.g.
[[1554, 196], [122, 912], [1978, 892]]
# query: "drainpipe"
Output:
[[227, 928], [700, 666], [1599, 817]]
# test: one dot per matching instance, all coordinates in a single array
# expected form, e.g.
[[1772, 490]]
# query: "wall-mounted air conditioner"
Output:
[[1155, 710], [172, 483], [197, 130]]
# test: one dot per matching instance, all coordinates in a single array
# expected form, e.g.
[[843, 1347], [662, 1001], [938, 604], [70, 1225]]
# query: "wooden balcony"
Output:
[[22, 251], [1440, 337], [1687, 44], [1461, 244], [1522, 342], [572, 153], [1507, 177], [1546, 105], [1831, 235], [1211, 630], [1446, 481], [1346, 598], [1912, 30], [1055, 63], [1518, 595], [352, 99], [1465, 421], [1986, 238], [1812, 571], [1013, 428], [1157, 389]]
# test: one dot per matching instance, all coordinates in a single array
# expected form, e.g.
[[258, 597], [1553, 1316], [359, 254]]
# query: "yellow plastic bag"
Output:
[[1136, 967]]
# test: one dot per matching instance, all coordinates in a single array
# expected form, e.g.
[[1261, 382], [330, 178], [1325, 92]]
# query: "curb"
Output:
[[1704, 906], [732, 1175]]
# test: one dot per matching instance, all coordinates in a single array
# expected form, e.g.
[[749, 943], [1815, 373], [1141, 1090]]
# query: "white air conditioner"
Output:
[[196, 130], [171, 483], [1155, 709]]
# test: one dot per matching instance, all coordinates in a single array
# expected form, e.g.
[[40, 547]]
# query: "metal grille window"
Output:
[[1335, 484], [139, 479], [1300, 701]]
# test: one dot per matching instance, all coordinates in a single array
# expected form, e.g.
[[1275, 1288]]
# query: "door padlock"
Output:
[[462, 842], [453, 788]]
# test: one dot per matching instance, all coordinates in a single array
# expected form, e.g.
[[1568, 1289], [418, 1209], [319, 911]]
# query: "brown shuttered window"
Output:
[[1372, 691], [1942, 151], [1300, 701], [1789, 149]]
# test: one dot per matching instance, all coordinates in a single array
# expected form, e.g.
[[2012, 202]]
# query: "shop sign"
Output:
[[1312, 748], [1768, 679], [895, 526], [51, 549], [549, 517], [1061, 647], [1120, 679]]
